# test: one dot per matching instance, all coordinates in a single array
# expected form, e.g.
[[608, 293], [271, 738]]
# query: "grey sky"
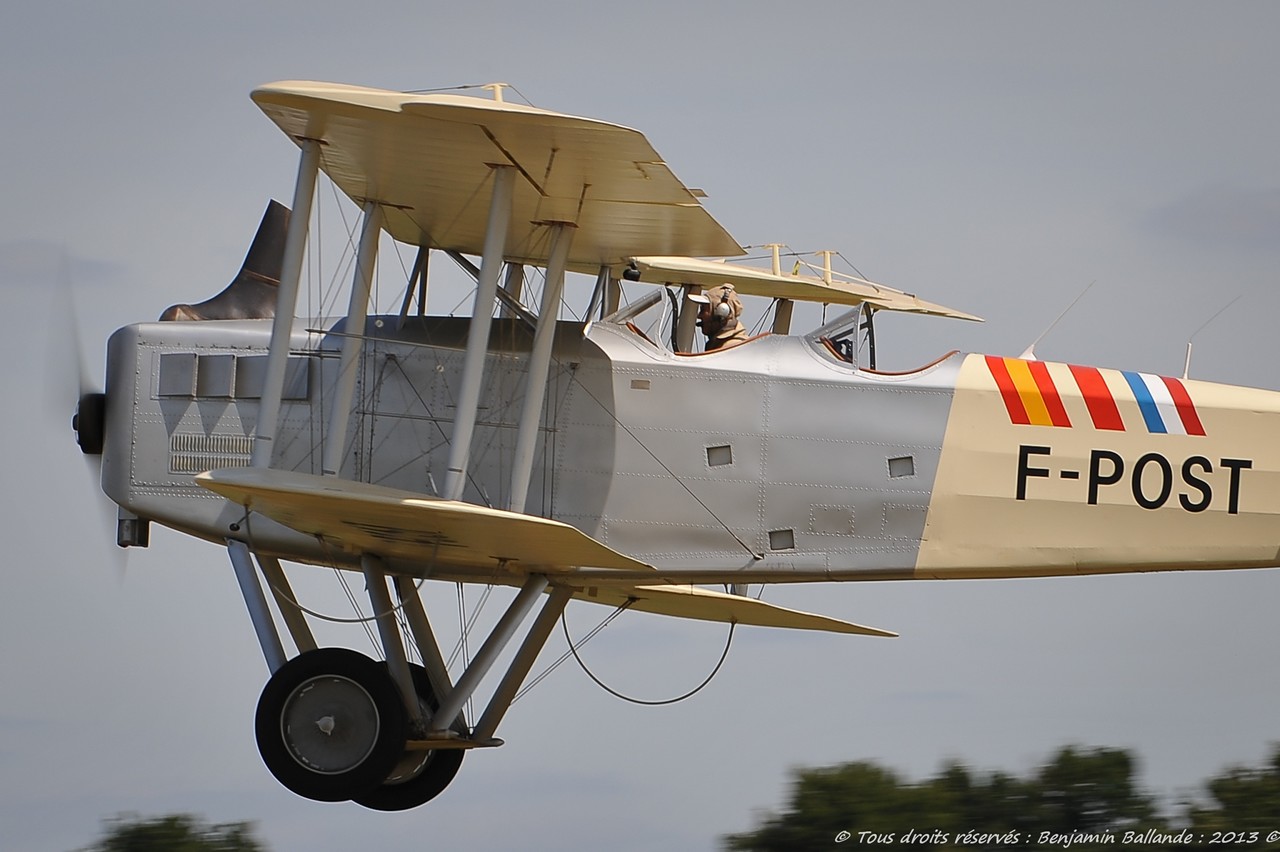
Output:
[[994, 157]]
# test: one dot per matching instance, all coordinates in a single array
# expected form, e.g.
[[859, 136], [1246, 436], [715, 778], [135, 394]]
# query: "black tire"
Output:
[[90, 423], [330, 725], [420, 776]]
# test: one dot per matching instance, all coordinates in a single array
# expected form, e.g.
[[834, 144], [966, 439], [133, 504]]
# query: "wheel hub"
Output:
[[330, 724]]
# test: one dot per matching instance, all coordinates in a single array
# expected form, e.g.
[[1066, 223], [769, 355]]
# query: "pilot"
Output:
[[718, 312]]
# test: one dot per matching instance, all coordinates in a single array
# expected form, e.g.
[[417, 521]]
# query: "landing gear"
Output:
[[334, 725], [331, 725], [420, 776]]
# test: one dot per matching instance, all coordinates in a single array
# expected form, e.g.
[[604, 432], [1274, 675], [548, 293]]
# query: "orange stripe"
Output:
[[1028, 392], [1049, 392], [1012, 401]]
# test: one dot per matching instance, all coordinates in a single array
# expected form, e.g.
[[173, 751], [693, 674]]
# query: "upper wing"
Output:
[[428, 157], [363, 518], [803, 288]]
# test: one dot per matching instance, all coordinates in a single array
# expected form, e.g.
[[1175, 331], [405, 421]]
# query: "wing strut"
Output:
[[539, 364], [295, 245], [489, 651], [353, 341], [478, 334], [533, 642], [418, 283]]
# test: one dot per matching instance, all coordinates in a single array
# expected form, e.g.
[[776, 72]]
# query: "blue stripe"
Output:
[[1150, 413]]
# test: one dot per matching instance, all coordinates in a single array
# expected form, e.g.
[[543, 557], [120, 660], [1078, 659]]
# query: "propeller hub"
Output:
[[90, 423]]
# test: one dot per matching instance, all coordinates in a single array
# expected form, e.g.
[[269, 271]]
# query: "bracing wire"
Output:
[[648, 703], [398, 609], [567, 654], [355, 603], [618, 422], [465, 625]]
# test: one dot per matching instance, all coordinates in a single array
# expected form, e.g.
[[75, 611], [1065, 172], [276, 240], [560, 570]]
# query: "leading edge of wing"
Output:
[[707, 605], [364, 518]]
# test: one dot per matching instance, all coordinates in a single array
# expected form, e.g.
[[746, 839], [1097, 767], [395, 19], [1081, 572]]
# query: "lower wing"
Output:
[[363, 518]]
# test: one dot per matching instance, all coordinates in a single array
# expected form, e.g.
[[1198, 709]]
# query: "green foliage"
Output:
[[1082, 799], [1242, 800], [1091, 791], [175, 833]]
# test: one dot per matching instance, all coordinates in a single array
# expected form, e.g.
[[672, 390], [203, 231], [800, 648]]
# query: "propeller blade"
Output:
[[73, 397]]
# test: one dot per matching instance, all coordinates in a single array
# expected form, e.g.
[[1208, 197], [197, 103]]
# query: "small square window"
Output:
[[902, 466], [782, 540], [719, 456], [178, 374]]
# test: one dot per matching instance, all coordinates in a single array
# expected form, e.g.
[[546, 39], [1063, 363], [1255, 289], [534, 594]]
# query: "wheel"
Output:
[[330, 725], [420, 776]]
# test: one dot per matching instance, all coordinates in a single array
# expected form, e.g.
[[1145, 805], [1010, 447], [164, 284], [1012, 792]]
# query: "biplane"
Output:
[[595, 458]]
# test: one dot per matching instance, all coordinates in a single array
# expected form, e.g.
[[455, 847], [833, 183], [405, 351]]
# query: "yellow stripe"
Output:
[[1032, 399]]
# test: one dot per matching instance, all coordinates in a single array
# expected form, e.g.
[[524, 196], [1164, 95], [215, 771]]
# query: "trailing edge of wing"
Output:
[[363, 518], [708, 605], [803, 288]]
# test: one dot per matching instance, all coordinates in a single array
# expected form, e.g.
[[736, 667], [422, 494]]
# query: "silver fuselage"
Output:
[[775, 460]]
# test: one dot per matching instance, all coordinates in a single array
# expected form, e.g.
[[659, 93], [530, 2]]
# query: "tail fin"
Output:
[[252, 293]]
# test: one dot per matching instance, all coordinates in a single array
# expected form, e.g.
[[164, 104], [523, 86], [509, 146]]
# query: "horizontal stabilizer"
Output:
[[708, 605], [361, 518]]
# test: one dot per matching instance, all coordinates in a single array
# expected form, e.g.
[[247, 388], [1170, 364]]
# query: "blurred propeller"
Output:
[[71, 387]]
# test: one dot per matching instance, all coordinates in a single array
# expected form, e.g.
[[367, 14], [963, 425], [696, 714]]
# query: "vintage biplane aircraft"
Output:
[[584, 459]]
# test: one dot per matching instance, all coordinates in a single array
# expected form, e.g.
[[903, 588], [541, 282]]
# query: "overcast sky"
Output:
[[994, 157]]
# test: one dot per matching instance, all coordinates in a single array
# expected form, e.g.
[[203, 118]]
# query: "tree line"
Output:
[[1082, 799]]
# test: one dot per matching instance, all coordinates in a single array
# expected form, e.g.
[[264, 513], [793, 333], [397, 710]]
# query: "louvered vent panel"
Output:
[[195, 453]]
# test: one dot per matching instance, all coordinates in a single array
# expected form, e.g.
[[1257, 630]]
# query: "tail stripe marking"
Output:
[[1031, 397], [1146, 403], [1049, 393], [1012, 399], [1185, 407], [1098, 398]]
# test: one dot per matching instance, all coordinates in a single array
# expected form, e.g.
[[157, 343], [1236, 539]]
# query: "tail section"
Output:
[[252, 293]]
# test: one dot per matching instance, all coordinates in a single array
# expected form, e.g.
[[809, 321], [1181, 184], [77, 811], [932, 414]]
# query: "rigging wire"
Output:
[[567, 654], [362, 619], [664, 466], [355, 605], [467, 625], [463, 87], [646, 702]]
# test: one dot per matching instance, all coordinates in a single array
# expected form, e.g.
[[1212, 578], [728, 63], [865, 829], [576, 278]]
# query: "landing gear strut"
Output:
[[334, 725]]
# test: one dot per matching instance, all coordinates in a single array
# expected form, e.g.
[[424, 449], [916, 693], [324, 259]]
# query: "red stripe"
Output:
[[1012, 402], [1186, 408], [1097, 396], [1049, 391]]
